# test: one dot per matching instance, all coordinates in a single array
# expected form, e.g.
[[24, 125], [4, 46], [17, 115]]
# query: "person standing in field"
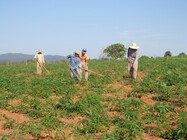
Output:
[[133, 60], [39, 57], [74, 62], [84, 63]]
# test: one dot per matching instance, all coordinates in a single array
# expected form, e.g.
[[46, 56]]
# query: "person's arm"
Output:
[[43, 59], [68, 57], [128, 56], [36, 57], [129, 59], [136, 58]]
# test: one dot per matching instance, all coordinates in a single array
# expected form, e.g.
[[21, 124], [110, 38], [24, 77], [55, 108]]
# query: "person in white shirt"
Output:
[[39, 57]]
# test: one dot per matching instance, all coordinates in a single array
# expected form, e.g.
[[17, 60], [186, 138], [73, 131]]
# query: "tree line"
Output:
[[118, 51]]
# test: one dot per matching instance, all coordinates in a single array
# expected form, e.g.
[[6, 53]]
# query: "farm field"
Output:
[[113, 107]]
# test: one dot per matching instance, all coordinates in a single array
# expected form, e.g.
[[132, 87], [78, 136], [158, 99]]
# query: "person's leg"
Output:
[[86, 75], [38, 69], [71, 74], [41, 68], [77, 72], [129, 69], [135, 70], [86, 72], [80, 70]]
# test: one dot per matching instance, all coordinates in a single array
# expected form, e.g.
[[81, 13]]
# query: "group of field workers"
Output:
[[78, 62]]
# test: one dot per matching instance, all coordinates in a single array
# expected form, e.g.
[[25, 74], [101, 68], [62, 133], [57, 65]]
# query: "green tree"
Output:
[[182, 54], [167, 54], [115, 51]]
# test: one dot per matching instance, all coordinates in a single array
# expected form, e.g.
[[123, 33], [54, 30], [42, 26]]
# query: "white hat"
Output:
[[76, 52], [134, 46], [40, 50]]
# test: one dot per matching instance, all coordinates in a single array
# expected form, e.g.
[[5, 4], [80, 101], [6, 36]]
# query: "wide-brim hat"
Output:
[[39, 50], [134, 46], [76, 52]]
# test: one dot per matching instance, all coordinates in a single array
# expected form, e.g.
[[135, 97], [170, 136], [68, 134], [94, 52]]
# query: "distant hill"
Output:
[[18, 57]]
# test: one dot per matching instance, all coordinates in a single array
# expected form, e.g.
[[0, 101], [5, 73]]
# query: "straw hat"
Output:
[[134, 46], [40, 50], [76, 52]]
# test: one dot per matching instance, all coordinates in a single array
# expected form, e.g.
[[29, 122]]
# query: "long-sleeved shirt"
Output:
[[133, 55], [40, 58], [73, 61]]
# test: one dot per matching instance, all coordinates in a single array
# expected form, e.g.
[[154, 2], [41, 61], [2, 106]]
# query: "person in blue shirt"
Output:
[[74, 62], [133, 60]]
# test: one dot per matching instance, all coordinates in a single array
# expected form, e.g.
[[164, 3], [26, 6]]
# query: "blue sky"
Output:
[[62, 26]]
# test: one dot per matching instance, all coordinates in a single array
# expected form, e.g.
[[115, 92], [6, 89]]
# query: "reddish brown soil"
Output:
[[149, 137], [14, 102], [54, 97], [70, 121], [66, 133], [148, 98], [123, 90], [118, 85], [19, 118], [112, 113], [2, 122], [184, 109]]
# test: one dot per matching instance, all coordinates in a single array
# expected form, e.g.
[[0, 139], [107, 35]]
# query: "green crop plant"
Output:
[[126, 130], [90, 101], [51, 121], [158, 113], [128, 121], [174, 78], [179, 133], [100, 108], [30, 127], [66, 105], [94, 123], [9, 123], [40, 88], [129, 104], [4, 100]]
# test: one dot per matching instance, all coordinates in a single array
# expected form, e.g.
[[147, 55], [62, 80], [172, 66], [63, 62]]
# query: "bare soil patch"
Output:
[[72, 120], [19, 118], [14, 102], [67, 132], [2, 122], [142, 74], [149, 137], [122, 93], [112, 113], [148, 98]]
